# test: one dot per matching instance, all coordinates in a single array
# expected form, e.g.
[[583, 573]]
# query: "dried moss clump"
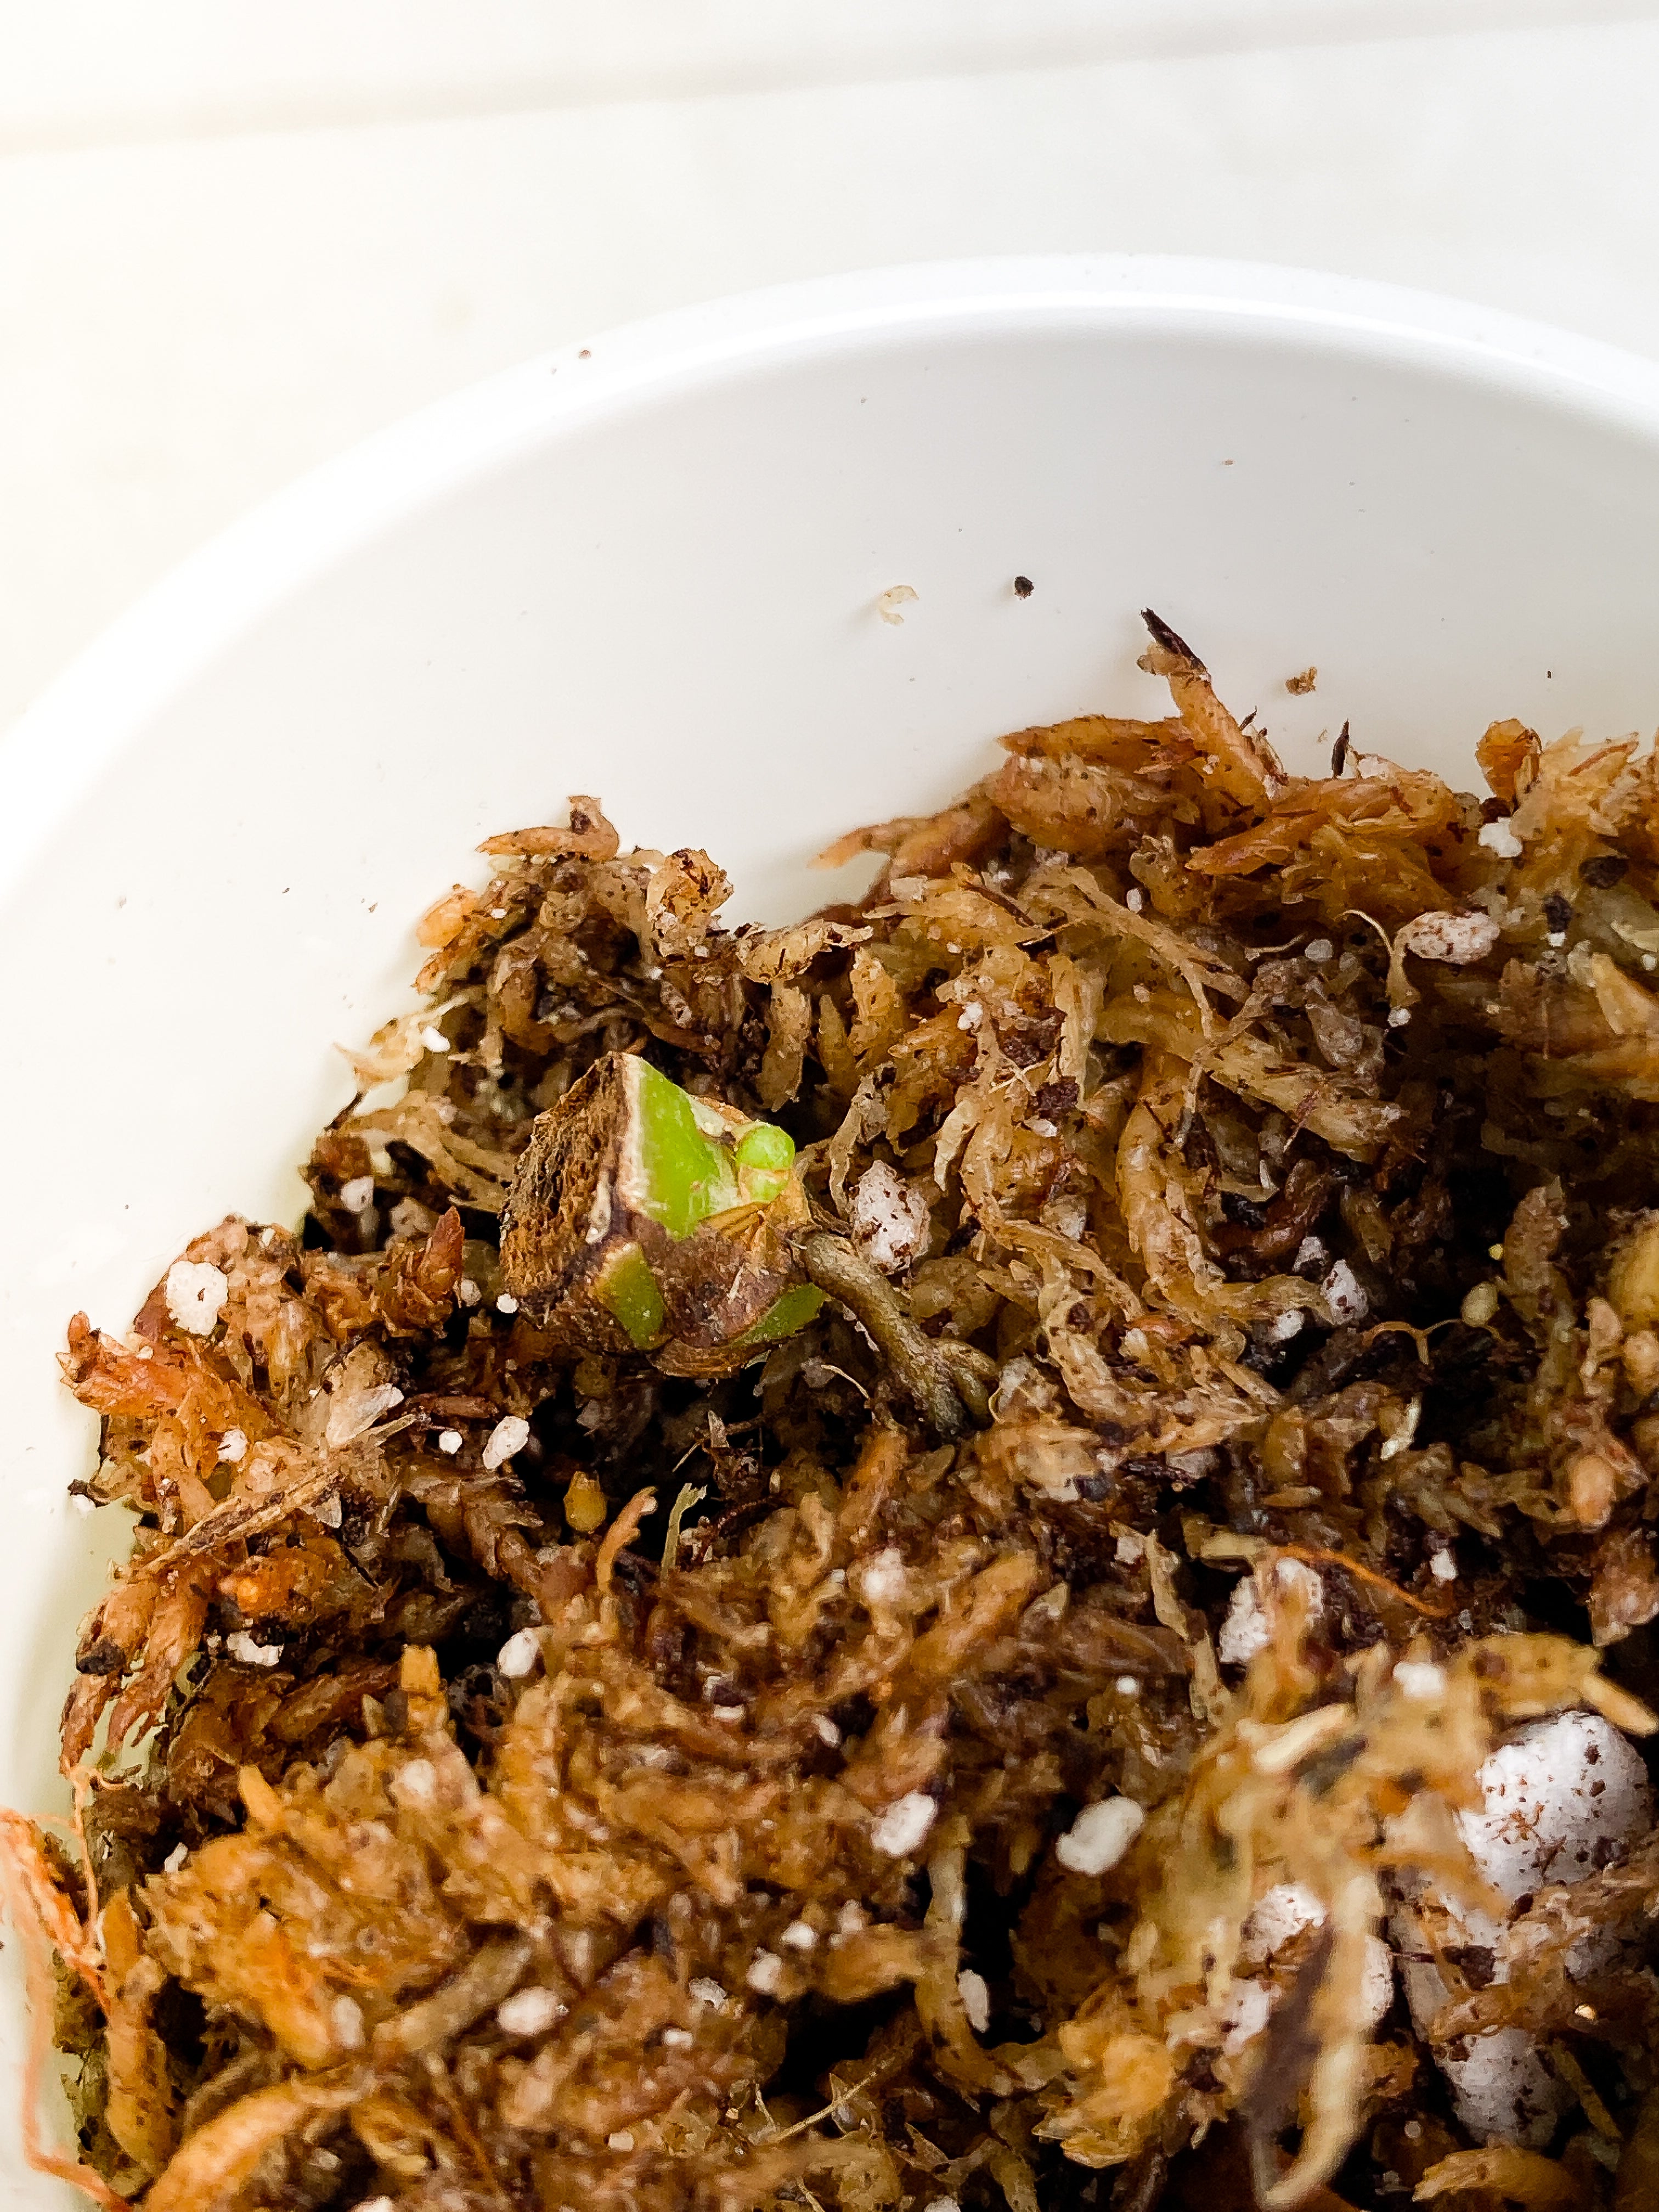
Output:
[[1021, 1725]]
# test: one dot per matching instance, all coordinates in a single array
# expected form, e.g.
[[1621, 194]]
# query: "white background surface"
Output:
[[235, 238]]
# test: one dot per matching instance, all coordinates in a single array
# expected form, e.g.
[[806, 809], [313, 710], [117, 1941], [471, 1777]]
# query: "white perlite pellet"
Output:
[[903, 1828], [889, 1218], [707, 1992], [1420, 1680], [1244, 1630], [196, 1291], [1548, 1798], [1455, 939], [510, 1434], [1280, 1913], [240, 1645], [357, 1195], [1377, 1980], [1404, 1435], [1100, 1835], [415, 1784], [1244, 2015], [1343, 1295], [1498, 837], [517, 1656], [882, 1581], [528, 2012], [976, 1999], [765, 1975]]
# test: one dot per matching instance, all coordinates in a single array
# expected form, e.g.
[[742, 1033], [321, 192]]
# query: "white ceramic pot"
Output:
[[648, 569]]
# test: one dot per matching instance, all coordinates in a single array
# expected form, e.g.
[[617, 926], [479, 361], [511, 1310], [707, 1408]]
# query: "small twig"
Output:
[[466, 2134], [638, 1507], [823, 2111], [1172, 641], [1315, 1556], [80, 1778], [973, 1385], [1359, 914], [36, 1947], [683, 1504], [1584, 2088], [915, 1359], [1419, 1336], [829, 1368]]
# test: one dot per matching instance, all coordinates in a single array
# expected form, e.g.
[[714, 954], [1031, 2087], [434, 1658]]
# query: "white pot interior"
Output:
[[651, 573]]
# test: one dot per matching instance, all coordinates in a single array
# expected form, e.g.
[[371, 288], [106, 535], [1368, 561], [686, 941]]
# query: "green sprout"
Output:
[[628, 1288], [670, 1214], [644, 1217]]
